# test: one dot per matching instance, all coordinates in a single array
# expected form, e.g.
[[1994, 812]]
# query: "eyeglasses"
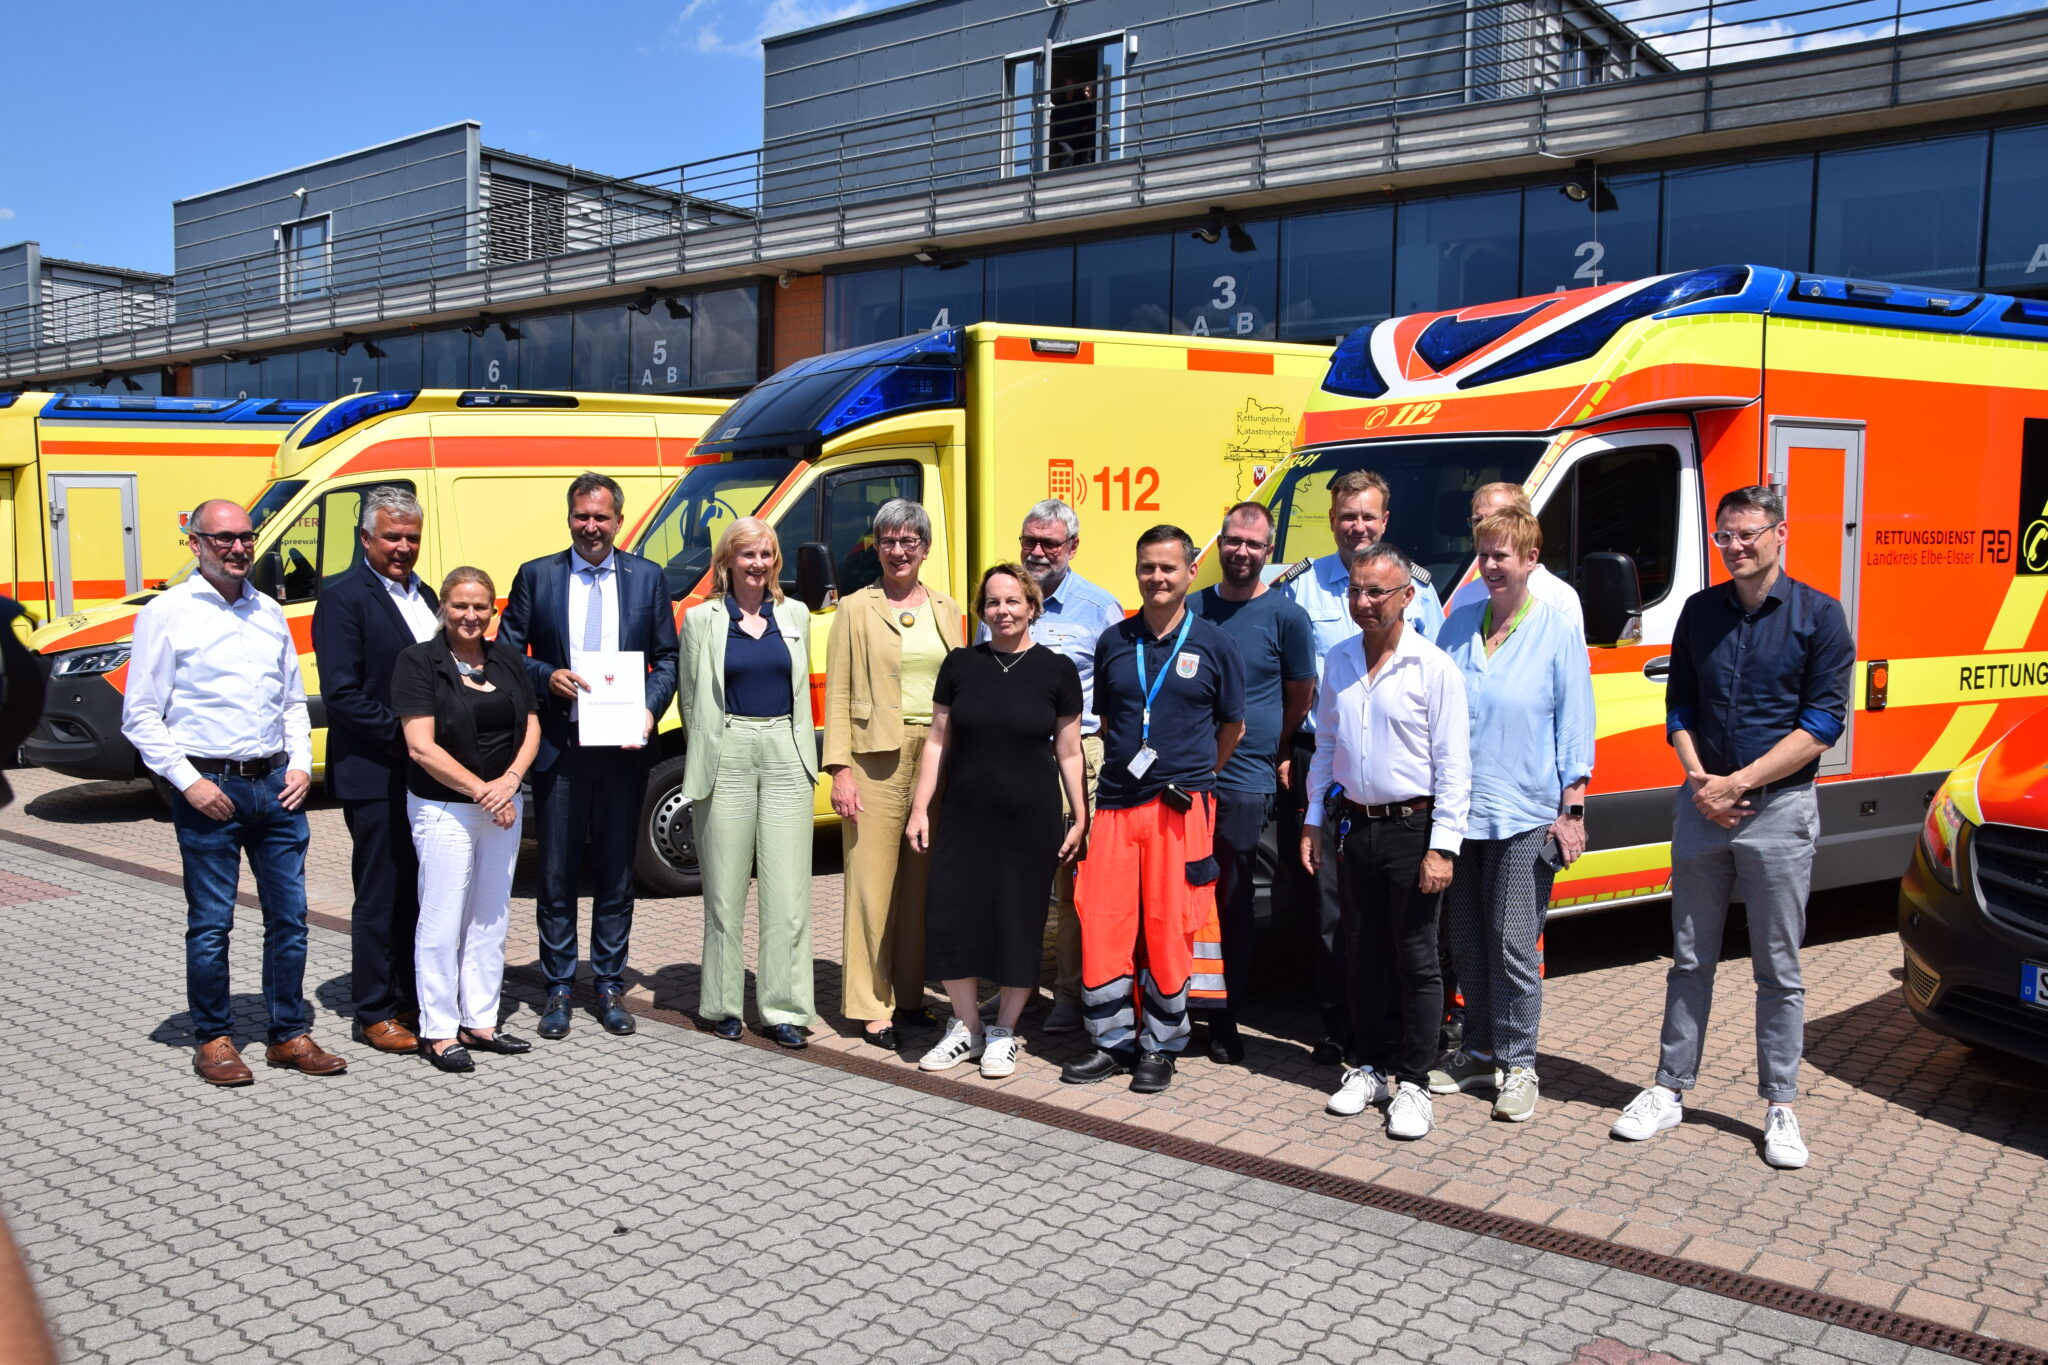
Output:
[[904, 543], [1240, 543], [1728, 540], [227, 540], [1376, 594], [1042, 543]]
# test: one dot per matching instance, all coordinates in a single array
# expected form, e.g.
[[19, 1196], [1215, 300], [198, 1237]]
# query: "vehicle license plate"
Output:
[[2034, 984]]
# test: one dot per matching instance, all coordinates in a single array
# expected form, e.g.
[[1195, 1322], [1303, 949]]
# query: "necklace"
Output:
[[1011, 662], [468, 670]]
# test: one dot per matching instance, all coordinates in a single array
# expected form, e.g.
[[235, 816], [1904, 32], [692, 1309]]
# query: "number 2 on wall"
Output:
[[1148, 488], [1590, 254]]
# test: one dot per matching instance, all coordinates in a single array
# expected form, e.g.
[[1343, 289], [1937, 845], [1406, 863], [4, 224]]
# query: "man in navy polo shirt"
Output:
[[1759, 690], [1169, 688]]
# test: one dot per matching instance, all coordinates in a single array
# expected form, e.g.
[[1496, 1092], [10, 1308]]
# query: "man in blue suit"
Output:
[[363, 618], [589, 597]]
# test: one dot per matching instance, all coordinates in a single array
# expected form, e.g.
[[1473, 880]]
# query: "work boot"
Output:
[[1098, 1065], [1152, 1074]]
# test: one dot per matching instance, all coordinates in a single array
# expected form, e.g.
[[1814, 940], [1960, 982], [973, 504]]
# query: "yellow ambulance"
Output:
[[491, 468], [94, 490], [977, 424]]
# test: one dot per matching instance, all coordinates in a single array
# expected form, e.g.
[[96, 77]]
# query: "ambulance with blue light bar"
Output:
[[490, 467], [977, 424], [1908, 428], [94, 490]]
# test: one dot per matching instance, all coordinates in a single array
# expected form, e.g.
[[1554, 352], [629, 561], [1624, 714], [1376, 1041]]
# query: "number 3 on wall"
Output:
[[1590, 255]]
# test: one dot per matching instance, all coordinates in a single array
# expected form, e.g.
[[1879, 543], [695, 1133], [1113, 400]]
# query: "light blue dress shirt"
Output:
[[1075, 616], [1321, 592], [1532, 717]]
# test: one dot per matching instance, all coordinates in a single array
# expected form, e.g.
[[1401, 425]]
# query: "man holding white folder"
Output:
[[601, 634]]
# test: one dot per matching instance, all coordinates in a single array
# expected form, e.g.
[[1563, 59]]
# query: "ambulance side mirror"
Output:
[[266, 575], [815, 582], [1612, 595]]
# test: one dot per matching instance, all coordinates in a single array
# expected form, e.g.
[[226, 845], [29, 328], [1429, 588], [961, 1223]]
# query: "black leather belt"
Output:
[[239, 767], [1398, 810]]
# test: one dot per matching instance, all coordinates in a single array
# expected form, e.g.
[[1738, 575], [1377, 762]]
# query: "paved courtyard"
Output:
[[673, 1197]]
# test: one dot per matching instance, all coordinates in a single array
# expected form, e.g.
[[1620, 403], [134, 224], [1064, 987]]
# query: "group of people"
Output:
[[1104, 775]]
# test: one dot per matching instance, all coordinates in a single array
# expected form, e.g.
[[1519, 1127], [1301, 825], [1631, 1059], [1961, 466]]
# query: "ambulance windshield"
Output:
[[1432, 483], [711, 497]]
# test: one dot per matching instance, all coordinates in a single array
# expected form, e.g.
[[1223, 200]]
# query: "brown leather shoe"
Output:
[[387, 1035], [217, 1063], [303, 1054]]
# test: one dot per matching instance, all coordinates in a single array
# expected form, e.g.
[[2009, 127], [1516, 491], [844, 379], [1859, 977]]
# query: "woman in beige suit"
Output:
[[745, 693], [887, 643]]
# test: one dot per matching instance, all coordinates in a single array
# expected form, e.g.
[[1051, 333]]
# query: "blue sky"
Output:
[[113, 111]]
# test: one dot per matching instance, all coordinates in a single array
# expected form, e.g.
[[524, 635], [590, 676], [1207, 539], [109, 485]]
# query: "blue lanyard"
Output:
[[1187, 619]]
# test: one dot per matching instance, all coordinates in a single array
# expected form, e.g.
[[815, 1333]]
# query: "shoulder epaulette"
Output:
[[1421, 574], [1292, 572]]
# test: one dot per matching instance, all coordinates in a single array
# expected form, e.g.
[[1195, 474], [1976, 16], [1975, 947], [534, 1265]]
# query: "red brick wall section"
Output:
[[799, 319]]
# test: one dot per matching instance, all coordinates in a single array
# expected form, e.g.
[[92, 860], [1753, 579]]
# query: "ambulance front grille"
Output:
[[1921, 984], [2012, 874]]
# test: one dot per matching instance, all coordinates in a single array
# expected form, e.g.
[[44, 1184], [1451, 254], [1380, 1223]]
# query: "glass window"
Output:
[[210, 380], [400, 366], [661, 349], [355, 372], [1453, 253], [1125, 284], [863, 306], [710, 497], [851, 500], [494, 359], [1336, 272], [444, 362], [1020, 118], [274, 376], [1757, 213], [544, 351], [1228, 287], [1623, 501], [1035, 288], [322, 543], [599, 360], [728, 350], [2017, 243], [1911, 214], [306, 274], [1576, 244], [945, 294], [140, 383], [318, 379]]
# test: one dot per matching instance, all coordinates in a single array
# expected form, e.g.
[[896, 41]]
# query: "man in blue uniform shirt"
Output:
[[1360, 504]]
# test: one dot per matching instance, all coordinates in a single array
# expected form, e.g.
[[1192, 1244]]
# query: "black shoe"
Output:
[[611, 1012], [449, 1058], [1226, 1048], [1152, 1074], [1098, 1065], [785, 1035], [921, 1017], [554, 1020], [882, 1037], [727, 1029], [503, 1043], [1328, 1052]]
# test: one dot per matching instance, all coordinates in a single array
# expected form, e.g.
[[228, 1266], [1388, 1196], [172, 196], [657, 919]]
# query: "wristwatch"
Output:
[[1576, 812]]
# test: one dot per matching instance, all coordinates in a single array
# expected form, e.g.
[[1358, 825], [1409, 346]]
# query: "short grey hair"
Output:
[[1760, 497], [1385, 552], [897, 513], [1052, 509], [398, 502]]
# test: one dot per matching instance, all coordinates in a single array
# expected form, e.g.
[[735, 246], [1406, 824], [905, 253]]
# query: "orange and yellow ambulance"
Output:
[[976, 423], [491, 469], [1908, 427], [94, 490]]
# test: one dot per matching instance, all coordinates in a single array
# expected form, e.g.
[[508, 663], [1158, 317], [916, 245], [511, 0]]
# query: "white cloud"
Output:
[[702, 25], [6, 214], [1697, 42]]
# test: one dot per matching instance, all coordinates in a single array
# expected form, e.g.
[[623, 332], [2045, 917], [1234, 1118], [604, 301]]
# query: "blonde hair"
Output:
[[1514, 527], [1033, 594], [738, 536], [469, 573], [1515, 496]]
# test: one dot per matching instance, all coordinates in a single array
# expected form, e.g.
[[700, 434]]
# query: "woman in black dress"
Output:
[[1006, 736]]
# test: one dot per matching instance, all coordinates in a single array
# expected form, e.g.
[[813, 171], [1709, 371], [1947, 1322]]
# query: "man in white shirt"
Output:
[[1393, 825], [214, 705], [1544, 585]]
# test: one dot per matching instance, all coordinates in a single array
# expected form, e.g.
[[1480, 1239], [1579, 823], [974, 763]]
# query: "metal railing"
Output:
[[1397, 68]]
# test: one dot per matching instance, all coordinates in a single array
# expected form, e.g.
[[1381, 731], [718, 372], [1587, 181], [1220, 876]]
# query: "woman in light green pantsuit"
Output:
[[752, 769]]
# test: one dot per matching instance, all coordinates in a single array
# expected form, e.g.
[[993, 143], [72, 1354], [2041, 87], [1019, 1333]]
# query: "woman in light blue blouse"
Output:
[[1530, 691]]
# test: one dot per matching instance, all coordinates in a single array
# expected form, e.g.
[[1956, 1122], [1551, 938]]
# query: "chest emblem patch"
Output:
[[1187, 663]]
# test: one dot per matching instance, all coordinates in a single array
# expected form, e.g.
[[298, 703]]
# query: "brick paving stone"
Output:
[[1926, 1157]]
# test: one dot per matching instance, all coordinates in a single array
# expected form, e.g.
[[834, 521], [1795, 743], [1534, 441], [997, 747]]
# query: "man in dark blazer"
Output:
[[362, 619], [589, 597]]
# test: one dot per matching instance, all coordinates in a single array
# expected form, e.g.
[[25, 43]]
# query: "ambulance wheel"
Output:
[[665, 854]]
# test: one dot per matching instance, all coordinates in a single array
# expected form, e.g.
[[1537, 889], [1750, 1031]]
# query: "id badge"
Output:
[[1141, 761]]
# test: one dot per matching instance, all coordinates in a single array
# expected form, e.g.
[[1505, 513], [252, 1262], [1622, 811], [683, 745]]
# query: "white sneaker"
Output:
[[1410, 1115], [957, 1046], [999, 1058], [1361, 1086], [1647, 1115], [1064, 1017], [1783, 1147]]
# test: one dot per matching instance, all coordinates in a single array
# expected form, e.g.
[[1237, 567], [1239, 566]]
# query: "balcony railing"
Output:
[[1394, 68]]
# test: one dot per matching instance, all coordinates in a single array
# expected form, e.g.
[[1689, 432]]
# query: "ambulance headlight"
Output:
[[1944, 841], [80, 663]]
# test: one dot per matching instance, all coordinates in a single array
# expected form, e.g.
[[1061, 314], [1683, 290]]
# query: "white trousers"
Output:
[[466, 864]]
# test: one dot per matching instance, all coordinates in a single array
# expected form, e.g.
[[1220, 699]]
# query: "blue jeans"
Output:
[[275, 840]]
